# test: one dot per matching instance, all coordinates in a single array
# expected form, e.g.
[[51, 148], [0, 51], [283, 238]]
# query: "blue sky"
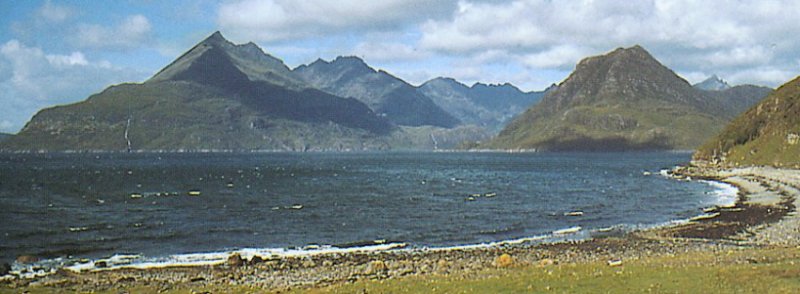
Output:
[[58, 52]]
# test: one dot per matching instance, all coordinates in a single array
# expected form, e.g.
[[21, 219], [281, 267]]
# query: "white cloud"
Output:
[[132, 32], [271, 20], [562, 56], [76, 58], [762, 75], [544, 38], [31, 79], [691, 36], [54, 13]]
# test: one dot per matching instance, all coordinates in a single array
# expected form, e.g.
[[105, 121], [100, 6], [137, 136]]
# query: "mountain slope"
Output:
[[739, 98], [4, 136], [766, 134], [215, 96], [385, 94], [489, 106], [624, 100]]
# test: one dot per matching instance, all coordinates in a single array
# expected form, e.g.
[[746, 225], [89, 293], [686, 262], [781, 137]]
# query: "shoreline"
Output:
[[123, 261], [761, 217]]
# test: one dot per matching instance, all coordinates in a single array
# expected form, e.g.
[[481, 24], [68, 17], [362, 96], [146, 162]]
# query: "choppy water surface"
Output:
[[97, 205]]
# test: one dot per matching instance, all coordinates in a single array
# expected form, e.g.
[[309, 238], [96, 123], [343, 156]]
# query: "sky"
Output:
[[59, 52]]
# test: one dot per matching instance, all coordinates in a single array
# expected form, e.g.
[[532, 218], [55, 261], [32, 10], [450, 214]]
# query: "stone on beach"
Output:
[[256, 260], [25, 259], [504, 260], [442, 266], [375, 267], [546, 262], [235, 260], [4, 269]]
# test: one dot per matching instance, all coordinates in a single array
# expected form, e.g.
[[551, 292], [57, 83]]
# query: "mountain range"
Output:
[[219, 95], [624, 100], [387, 95], [766, 134], [223, 96], [489, 106]]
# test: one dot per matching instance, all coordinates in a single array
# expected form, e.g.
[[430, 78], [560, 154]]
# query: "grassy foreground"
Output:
[[771, 270], [750, 271]]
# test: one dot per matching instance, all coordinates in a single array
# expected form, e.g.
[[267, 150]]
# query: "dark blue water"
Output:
[[80, 205]]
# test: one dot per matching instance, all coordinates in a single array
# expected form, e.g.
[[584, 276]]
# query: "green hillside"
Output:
[[766, 134], [624, 100]]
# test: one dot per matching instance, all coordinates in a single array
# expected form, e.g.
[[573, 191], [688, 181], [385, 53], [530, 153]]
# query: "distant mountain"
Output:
[[385, 94], [739, 98], [489, 106], [713, 83], [766, 134], [215, 96], [4, 136], [624, 100]]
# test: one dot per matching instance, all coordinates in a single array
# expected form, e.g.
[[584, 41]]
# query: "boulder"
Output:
[[309, 263], [441, 266], [504, 260], [27, 259], [546, 262], [4, 269], [256, 260], [376, 267], [235, 260]]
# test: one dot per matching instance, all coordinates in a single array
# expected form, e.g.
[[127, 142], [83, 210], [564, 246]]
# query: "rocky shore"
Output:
[[763, 216]]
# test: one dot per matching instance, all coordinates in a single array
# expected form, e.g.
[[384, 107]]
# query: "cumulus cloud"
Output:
[[743, 41], [131, 32], [689, 36], [274, 20], [31, 79]]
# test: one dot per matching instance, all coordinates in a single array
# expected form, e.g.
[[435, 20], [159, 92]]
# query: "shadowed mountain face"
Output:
[[489, 106], [385, 94], [624, 100], [766, 134], [214, 67], [215, 96]]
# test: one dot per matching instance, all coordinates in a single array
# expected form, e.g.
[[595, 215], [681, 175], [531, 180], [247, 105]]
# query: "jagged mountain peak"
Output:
[[349, 59], [624, 73], [620, 58], [347, 67], [249, 59], [505, 86], [390, 96], [215, 38], [444, 81], [713, 83]]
